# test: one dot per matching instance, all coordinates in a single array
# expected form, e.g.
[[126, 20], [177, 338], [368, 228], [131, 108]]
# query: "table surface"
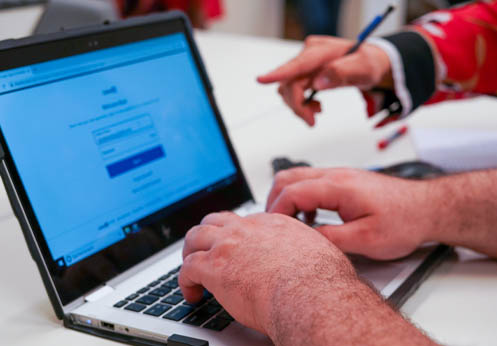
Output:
[[457, 305]]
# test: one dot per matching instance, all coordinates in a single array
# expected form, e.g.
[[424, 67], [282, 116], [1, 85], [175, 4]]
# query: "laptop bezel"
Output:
[[18, 53]]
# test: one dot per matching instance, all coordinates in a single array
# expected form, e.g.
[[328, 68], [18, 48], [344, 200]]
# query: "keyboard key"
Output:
[[172, 299], [175, 270], [147, 300], [225, 315], [179, 293], [160, 292], [164, 277], [178, 313], [214, 302], [201, 315], [171, 284], [217, 324], [194, 305], [120, 304], [143, 290], [135, 307], [132, 297], [157, 309], [154, 283]]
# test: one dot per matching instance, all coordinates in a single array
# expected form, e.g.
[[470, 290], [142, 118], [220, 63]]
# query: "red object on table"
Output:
[[383, 144]]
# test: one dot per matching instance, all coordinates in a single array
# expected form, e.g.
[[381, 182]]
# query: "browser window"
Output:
[[104, 139]]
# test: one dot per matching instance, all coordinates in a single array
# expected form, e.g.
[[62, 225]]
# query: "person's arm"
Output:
[[387, 218], [277, 275], [467, 211], [330, 311], [445, 55]]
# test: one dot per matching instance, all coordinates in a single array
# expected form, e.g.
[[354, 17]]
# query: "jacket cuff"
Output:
[[413, 68]]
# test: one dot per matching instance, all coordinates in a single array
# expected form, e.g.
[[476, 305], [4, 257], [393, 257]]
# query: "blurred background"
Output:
[[292, 19]]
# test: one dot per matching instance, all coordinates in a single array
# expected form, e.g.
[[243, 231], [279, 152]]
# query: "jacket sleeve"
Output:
[[445, 55]]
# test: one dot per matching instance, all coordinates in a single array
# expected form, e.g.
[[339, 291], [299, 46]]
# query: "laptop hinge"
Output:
[[99, 294]]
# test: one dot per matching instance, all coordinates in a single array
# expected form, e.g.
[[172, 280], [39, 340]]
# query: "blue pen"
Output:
[[360, 39]]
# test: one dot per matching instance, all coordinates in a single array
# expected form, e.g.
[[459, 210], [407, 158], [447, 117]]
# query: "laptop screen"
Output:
[[105, 141]]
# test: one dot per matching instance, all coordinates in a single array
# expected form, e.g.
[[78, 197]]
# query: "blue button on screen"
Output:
[[135, 161]]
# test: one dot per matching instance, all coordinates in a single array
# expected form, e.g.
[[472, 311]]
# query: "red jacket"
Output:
[[465, 44], [445, 55]]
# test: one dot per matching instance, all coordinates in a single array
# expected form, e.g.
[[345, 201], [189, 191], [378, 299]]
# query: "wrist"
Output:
[[302, 306], [343, 312], [385, 67], [464, 211]]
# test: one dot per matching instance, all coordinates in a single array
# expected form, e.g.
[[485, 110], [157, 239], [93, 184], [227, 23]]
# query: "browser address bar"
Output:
[[41, 75]]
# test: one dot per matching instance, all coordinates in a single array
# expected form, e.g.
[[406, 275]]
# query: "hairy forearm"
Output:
[[338, 312], [464, 211]]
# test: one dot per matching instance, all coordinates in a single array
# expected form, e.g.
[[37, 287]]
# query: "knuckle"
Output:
[[287, 193], [190, 235], [226, 213], [290, 190], [319, 39], [332, 68], [282, 178], [335, 73], [298, 171], [310, 40], [369, 236], [188, 262], [223, 251], [343, 175], [206, 218], [261, 218]]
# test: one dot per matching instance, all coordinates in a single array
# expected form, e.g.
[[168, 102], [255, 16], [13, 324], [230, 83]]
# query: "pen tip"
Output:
[[390, 8]]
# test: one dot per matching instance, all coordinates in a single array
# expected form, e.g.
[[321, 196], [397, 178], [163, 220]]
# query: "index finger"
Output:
[[199, 238], [307, 196], [307, 62], [291, 176], [194, 276], [310, 59]]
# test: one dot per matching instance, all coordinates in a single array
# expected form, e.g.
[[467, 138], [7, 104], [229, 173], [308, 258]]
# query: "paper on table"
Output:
[[456, 150]]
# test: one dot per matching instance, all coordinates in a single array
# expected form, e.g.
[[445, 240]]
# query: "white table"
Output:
[[457, 305]]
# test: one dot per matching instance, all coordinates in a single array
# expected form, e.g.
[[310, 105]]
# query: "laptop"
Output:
[[112, 147]]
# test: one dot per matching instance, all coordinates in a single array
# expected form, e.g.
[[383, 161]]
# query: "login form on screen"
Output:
[[106, 138]]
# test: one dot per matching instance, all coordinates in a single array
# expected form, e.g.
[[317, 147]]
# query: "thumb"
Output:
[[351, 237]]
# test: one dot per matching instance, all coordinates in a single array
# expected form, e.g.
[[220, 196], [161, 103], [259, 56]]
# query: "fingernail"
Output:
[[322, 83]]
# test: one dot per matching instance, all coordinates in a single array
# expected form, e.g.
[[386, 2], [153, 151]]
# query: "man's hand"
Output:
[[276, 275], [322, 64], [248, 262], [384, 217]]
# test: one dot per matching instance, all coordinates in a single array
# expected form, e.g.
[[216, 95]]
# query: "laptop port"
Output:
[[106, 325]]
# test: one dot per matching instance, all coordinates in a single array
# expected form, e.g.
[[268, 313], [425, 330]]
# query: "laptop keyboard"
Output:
[[162, 298]]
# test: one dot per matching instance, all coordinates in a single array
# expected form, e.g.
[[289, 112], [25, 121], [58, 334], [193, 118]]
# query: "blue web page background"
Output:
[[163, 142]]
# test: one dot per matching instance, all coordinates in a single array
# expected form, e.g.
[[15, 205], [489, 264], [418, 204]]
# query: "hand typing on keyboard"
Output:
[[277, 275]]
